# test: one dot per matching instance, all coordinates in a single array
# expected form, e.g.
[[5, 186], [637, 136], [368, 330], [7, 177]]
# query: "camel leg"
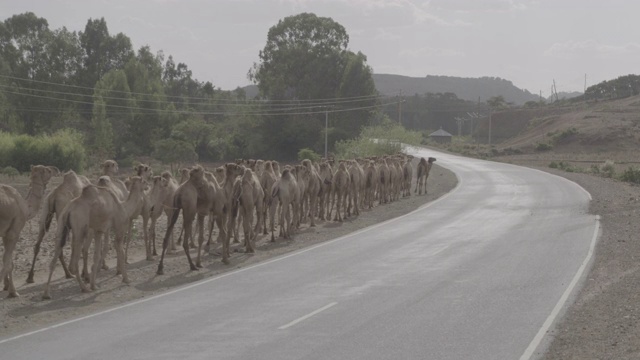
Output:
[[75, 259], [246, 224], [10, 241], [121, 261], [150, 245], [105, 251], [200, 225], [188, 227], [52, 266], [97, 249], [85, 258]]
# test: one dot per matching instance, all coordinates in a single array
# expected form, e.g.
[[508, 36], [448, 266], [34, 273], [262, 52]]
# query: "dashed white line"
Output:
[[306, 316]]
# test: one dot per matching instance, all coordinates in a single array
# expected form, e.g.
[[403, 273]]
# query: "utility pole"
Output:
[[326, 130], [585, 83]]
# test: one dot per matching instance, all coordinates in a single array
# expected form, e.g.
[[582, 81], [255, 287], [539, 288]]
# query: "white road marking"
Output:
[[307, 316], [528, 353]]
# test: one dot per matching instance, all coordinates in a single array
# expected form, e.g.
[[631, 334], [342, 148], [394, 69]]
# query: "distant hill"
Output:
[[465, 88]]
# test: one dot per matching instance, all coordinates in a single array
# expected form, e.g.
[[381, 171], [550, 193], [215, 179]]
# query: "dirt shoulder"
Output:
[[30, 312]]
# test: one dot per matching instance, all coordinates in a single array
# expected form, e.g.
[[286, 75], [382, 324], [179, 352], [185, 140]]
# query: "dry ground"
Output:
[[30, 312]]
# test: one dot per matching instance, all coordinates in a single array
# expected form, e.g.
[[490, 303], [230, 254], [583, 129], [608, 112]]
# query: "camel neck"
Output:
[[34, 196]]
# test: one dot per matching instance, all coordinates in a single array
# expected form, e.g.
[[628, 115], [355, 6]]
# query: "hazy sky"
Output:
[[530, 43]]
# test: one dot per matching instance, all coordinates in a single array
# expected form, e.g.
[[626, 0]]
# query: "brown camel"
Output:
[[96, 210], [56, 200], [407, 172], [161, 199], [285, 192], [370, 183], [340, 189], [424, 167], [110, 169], [267, 179], [197, 196], [247, 198], [144, 171], [314, 190], [14, 213], [356, 183], [326, 177]]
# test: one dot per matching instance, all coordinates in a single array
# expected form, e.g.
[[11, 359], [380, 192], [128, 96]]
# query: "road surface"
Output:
[[481, 273]]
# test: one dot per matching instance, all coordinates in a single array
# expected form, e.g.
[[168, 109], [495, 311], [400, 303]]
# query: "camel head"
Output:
[[196, 175], [144, 171], [166, 175], [232, 170], [431, 160], [109, 168], [247, 175], [259, 165], [40, 175]]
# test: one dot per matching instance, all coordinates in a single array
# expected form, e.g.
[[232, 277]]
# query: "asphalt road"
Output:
[[480, 273]]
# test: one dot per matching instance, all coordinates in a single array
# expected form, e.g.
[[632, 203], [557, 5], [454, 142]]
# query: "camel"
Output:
[[248, 197], [326, 176], [110, 169], [407, 172], [201, 197], [370, 183], [356, 175], [424, 167], [96, 210], [384, 179], [15, 211], [161, 200], [340, 188], [267, 179], [143, 209], [314, 190], [144, 172], [184, 175], [231, 171], [285, 192], [56, 200], [302, 177]]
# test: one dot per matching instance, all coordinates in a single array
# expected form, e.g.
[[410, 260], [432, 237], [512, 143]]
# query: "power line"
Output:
[[222, 101]]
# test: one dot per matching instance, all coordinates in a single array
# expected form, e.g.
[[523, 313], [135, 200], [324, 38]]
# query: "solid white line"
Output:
[[306, 316], [528, 353]]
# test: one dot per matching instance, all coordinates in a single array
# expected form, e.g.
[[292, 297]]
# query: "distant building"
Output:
[[440, 136]]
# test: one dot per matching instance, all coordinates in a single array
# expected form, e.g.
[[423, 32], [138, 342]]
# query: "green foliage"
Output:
[[308, 154], [543, 147], [377, 141], [631, 175], [553, 165], [608, 169], [10, 171], [64, 149], [175, 151], [562, 136], [623, 86], [564, 166]]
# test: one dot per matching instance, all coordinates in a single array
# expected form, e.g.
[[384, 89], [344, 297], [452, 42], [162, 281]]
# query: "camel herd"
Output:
[[248, 195]]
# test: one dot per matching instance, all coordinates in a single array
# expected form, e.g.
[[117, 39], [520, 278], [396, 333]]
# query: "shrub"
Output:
[[631, 175], [553, 165], [10, 171], [308, 154], [543, 147], [608, 169], [63, 149]]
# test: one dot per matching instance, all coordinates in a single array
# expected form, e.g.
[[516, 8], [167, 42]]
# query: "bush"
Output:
[[308, 154], [631, 175], [608, 169], [381, 140], [554, 165], [10, 171], [64, 149], [543, 147]]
